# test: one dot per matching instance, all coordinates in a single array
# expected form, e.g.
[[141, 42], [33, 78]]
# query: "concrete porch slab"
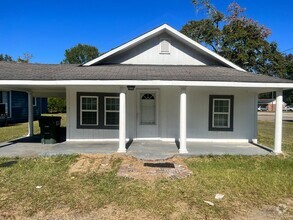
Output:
[[231, 148], [72, 147], [146, 150], [153, 150]]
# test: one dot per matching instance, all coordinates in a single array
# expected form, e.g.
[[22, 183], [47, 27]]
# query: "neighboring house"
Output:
[[161, 85], [16, 106], [269, 104]]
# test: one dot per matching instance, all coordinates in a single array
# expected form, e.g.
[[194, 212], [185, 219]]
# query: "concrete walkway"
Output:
[[147, 150]]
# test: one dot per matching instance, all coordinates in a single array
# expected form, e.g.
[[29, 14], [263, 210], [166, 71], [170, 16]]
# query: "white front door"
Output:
[[147, 114]]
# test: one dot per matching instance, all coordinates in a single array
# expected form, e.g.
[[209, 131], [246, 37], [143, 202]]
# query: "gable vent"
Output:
[[165, 45]]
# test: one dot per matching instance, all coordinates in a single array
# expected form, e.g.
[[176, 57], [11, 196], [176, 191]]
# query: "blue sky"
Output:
[[46, 28]]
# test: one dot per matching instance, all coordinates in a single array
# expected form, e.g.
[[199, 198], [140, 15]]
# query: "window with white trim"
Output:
[[111, 111], [97, 110], [89, 111], [221, 113], [165, 45]]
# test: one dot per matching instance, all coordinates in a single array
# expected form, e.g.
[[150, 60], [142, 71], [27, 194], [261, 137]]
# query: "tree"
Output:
[[288, 94], [56, 105], [237, 38], [26, 58], [5, 57], [289, 66], [80, 54]]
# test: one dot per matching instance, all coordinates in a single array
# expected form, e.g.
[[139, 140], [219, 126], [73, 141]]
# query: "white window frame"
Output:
[[154, 94], [221, 113], [81, 110], [169, 41], [34, 101], [105, 110]]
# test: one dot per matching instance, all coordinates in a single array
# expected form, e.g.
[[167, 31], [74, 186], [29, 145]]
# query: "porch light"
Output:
[[131, 88]]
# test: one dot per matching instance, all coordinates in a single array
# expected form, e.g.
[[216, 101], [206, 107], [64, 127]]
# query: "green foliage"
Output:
[[288, 94], [203, 31], [5, 57], [56, 105], [80, 54], [25, 59], [237, 38], [289, 66]]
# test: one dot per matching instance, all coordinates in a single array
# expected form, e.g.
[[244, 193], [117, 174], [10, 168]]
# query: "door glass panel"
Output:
[[148, 109]]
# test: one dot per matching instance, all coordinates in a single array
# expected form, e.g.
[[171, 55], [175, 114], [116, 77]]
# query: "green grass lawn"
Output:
[[11, 132], [248, 182], [266, 135]]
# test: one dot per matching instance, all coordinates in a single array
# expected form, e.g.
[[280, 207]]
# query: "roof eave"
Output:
[[218, 84]]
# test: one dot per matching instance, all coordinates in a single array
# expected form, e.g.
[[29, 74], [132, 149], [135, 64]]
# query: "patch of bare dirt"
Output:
[[282, 211], [111, 212], [152, 170], [88, 163], [131, 167]]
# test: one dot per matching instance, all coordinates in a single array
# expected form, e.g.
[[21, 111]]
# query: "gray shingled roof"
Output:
[[17, 71]]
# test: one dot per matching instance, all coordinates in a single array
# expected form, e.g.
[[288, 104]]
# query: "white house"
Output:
[[161, 85]]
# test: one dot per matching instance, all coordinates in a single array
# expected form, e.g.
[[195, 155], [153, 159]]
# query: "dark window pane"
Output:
[[112, 118], [89, 118], [89, 103], [148, 96], [221, 120], [221, 106], [112, 104]]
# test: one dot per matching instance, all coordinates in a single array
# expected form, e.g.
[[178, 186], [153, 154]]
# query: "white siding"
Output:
[[149, 52], [73, 132], [197, 114]]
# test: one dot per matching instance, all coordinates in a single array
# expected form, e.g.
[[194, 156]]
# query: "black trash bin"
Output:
[[50, 129]]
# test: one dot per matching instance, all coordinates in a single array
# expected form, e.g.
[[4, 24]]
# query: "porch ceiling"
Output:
[[38, 90]]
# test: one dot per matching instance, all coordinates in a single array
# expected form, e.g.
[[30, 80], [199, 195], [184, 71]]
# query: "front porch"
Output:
[[146, 150]]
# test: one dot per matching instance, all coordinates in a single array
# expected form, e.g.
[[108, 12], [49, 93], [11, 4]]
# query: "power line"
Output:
[[287, 49]]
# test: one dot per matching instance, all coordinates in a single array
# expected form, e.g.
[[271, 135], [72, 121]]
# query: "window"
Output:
[[147, 109], [111, 111], [97, 110], [221, 113], [89, 110], [165, 46], [5, 99]]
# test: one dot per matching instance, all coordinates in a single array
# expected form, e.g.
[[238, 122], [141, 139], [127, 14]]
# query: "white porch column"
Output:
[[122, 121], [278, 122], [183, 149], [30, 114]]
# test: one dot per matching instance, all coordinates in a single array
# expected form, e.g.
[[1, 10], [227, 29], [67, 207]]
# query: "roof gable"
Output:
[[144, 50]]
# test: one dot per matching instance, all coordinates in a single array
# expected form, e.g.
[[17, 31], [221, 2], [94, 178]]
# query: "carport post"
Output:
[[122, 121], [278, 122], [30, 114], [183, 149]]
